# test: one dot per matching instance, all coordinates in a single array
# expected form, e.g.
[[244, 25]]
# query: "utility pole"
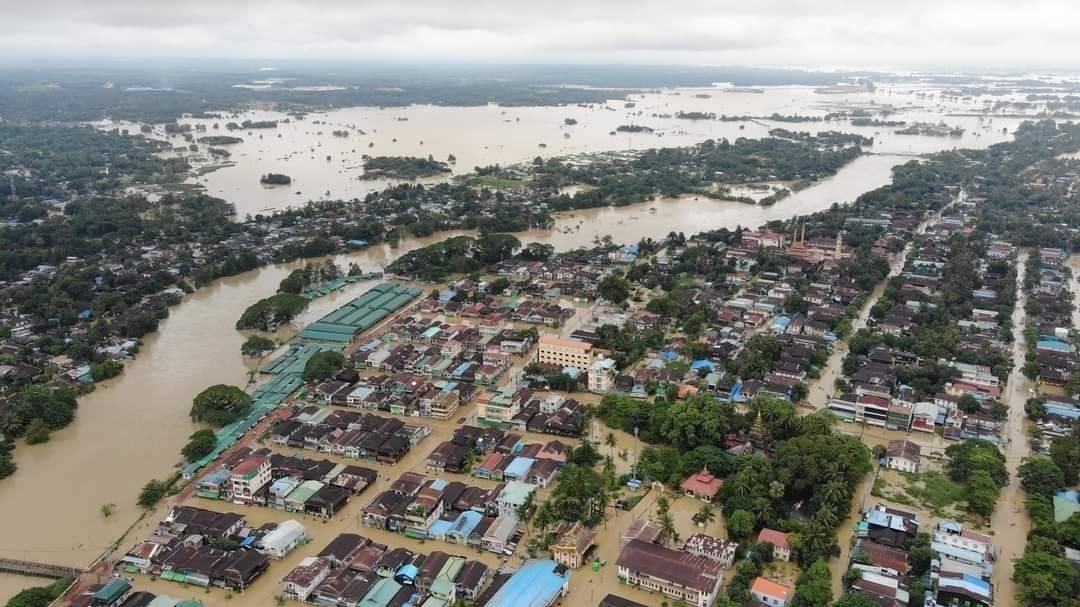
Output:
[[633, 470]]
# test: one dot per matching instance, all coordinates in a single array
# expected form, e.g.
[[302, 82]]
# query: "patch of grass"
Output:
[[496, 183], [879, 486], [934, 489]]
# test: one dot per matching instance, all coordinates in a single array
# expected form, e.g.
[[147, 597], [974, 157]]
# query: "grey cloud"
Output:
[[835, 32]]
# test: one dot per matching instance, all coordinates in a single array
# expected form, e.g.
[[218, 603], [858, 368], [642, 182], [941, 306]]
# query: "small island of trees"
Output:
[[252, 124], [275, 179], [219, 140], [696, 115], [633, 128], [403, 167]]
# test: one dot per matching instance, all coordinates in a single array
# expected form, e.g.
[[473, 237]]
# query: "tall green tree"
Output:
[[1041, 476], [813, 588], [323, 365], [199, 445], [220, 405]]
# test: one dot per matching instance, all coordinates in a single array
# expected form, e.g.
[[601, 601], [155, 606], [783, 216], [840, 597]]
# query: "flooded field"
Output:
[[327, 166]]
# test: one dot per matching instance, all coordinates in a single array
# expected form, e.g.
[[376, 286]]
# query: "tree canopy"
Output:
[[199, 445], [323, 365], [220, 405]]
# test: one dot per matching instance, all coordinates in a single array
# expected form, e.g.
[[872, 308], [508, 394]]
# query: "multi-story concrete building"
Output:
[[565, 353]]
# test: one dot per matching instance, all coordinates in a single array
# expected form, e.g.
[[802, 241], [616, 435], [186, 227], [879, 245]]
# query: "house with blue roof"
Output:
[[518, 468], [538, 583], [463, 527], [627, 254]]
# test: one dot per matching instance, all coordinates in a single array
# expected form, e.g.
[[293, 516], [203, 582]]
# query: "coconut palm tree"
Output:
[[833, 492], [740, 485], [764, 512], [663, 506], [610, 441], [776, 490], [705, 515], [827, 517], [667, 529]]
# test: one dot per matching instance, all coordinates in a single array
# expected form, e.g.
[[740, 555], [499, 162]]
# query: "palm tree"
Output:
[[740, 485], [663, 506], [833, 492], [776, 490], [705, 515], [545, 516], [667, 529], [610, 441], [764, 511], [827, 517]]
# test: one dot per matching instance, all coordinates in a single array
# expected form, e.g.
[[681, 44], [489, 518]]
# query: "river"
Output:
[[131, 428]]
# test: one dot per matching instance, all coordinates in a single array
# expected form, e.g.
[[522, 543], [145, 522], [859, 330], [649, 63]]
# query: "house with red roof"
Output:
[[770, 593], [703, 485], [780, 543]]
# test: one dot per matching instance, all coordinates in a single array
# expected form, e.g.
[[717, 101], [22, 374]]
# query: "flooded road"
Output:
[[1010, 523]]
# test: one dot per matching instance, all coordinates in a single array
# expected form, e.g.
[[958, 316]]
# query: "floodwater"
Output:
[[132, 428], [1010, 523], [326, 166]]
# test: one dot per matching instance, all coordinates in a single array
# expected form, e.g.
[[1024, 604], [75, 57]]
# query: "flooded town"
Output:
[[287, 335]]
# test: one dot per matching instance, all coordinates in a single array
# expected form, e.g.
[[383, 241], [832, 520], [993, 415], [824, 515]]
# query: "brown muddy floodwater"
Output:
[[131, 428], [485, 135]]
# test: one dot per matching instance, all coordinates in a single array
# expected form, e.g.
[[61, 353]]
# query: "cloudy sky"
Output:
[[834, 33]]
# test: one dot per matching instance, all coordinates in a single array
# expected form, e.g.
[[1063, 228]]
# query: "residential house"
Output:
[[305, 577], [770, 593], [903, 455], [780, 543]]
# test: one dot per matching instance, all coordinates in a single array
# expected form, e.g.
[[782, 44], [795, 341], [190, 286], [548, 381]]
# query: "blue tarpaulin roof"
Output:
[[703, 364]]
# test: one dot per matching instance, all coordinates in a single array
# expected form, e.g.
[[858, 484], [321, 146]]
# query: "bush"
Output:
[[37, 432], [105, 370], [199, 445], [151, 493]]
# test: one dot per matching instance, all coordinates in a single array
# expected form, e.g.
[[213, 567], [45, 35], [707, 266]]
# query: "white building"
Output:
[[248, 477], [282, 540], [513, 495], [903, 455], [602, 375], [770, 593]]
